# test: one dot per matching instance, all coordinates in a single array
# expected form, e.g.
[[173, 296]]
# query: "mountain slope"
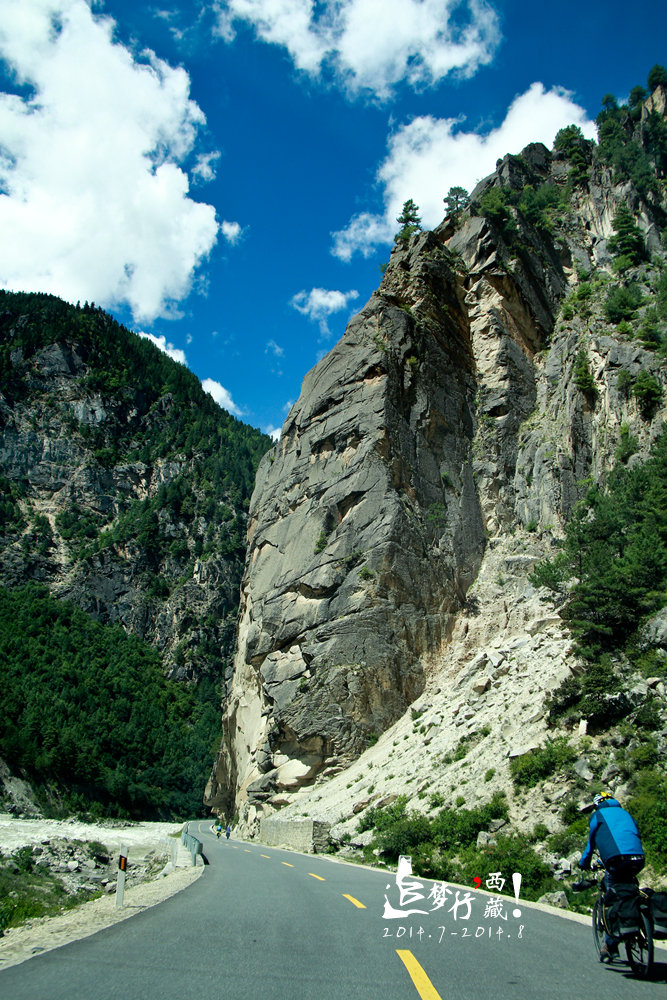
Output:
[[125, 486]]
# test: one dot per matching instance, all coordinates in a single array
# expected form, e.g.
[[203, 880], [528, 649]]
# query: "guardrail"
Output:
[[193, 845]]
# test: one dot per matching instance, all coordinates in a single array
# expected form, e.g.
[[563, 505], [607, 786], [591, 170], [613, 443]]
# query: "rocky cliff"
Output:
[[431, 460]]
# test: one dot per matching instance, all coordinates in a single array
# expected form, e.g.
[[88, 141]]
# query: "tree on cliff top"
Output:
[[456, 201], [657, 77], [409, 222]]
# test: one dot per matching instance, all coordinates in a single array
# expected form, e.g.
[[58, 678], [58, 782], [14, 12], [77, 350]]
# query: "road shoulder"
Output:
[[46, 933]]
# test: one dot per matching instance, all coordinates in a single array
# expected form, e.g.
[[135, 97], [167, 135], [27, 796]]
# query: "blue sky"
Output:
[[226, 176]]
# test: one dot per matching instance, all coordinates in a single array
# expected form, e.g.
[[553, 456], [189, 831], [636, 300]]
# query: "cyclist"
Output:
[[614, 834]]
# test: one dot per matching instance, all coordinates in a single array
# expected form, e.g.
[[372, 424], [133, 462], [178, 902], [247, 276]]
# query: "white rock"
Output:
[[481, 685]]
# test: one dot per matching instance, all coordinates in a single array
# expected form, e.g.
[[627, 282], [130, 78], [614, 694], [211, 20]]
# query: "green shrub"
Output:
[[648, 393], [429, 841], [648, 805], [644, 756], [648, 715], [509, 854], [583, 377], [404, 834], [321, 543], [598, 681], [563, 698], [570, 813], [650, 331], [541, 763], [495, 206], [622, 302], [573, 838], [536, 205], [624, 383], [627, 446]]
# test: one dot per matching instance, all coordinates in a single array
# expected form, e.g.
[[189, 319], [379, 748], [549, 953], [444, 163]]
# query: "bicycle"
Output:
[[638, 943]]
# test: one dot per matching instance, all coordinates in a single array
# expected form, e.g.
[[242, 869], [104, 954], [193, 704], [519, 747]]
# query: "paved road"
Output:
[[265, 924]]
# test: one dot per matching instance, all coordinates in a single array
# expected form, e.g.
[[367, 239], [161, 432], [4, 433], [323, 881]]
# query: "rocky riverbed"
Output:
[[84, 857]]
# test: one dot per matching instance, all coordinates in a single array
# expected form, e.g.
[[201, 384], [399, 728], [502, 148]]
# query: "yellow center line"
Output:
[[312, 874], [287, 863], [266, 856], [356, 902], [423, 984], [247, 851]]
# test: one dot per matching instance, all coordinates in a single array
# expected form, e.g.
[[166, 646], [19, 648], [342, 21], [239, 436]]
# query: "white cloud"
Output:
[[94, 201], [221, 396], [273, 432], [204, 168], [429, 155], [175, 353], [371, 45], [363, 233], [231, 231], [275, 352], [320, 303]]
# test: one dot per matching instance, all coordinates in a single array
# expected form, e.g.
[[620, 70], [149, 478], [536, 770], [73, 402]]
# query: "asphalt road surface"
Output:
[[266, 924]]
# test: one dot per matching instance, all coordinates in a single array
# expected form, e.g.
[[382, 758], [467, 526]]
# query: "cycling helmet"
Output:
[[601, 798]]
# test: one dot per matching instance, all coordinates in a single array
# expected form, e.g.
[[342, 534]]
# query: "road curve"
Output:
[[266, 924]]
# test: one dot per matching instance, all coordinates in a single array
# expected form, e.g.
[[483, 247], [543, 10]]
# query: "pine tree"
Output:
[[570, 140], [583, 377], [657, 77], [456, 201], [409, 222], [628, 241]]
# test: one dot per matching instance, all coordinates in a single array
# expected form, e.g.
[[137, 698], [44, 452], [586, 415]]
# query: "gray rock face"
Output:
[[365, 529], [654, 632]]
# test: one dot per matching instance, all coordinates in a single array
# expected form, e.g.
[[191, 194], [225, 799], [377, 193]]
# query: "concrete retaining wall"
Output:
[[308, 835]]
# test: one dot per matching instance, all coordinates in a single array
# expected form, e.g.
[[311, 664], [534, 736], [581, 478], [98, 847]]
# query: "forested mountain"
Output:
[[124, 492]]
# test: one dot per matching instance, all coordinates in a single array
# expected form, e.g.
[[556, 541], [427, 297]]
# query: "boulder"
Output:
[[557, 898]]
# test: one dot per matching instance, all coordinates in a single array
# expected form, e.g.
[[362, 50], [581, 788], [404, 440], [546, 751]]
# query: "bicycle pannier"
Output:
[[658, 904], [621, 910]]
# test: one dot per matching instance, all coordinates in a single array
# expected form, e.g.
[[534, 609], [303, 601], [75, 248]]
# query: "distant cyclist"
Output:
[[614, 834], [218, 830], [228, 831]]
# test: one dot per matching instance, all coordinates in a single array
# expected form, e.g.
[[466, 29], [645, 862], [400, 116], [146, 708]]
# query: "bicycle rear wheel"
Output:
[[639, 948], [598, 924]]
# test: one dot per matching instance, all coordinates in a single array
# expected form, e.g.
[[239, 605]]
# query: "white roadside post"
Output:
[[120, 883]]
